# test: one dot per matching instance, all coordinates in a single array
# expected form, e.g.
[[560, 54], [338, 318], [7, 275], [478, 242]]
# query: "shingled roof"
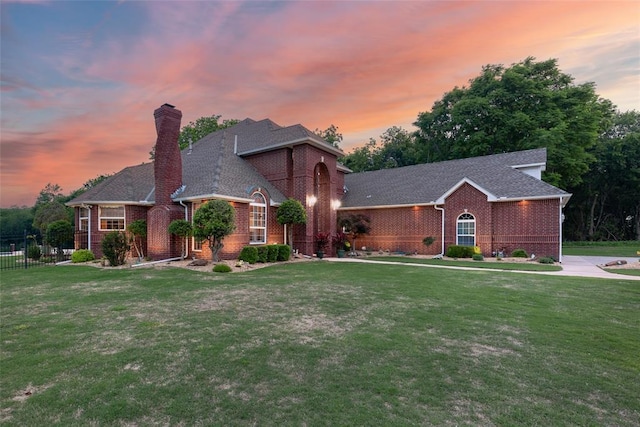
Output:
[[264, 135], [496, 175], [132, 185], [213, 167]]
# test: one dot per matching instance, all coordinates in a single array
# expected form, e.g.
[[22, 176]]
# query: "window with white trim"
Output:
[[83, 216], [195, 244], [466, 230], [258, 219], [111, 217]]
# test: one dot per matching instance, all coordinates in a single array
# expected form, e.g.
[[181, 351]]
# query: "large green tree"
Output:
[[198, 129], [330, 134], [214, 221], [527, 105], [49, 212], [396, 147], [606, 205]]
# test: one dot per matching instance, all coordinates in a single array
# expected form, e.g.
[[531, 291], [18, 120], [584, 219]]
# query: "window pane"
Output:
[[258, 219], [112, 211], [466, 240], [466, 229]]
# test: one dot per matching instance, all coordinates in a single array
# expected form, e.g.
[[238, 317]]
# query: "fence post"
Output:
[[24, 250]]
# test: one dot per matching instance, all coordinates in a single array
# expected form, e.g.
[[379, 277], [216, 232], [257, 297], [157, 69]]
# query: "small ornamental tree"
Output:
[[115, 247], [291, 212], [182, 229], [214, 221], [58, 233], [354, 225], [138, 230]]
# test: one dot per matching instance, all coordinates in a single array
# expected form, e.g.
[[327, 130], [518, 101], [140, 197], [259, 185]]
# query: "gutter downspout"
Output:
[[89, 229], [156, 262], [560, 214], [186, 218], [442, 210]]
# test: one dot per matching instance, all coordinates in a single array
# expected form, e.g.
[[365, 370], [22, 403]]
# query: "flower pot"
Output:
[[320, 254], [340, 253]]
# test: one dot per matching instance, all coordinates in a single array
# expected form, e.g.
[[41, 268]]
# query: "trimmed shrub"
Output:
[[82, 255], [546, 260], [284, 252], [457, 251], [115, 248], [34, 252], [272, 253], [519, 253], [477, 257], [249, 254], [221, 268], [263, 253]]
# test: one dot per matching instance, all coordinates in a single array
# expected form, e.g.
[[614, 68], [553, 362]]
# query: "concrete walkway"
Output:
[[576, 266]]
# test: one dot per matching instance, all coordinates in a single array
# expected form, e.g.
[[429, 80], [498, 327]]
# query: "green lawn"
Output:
[[501, 265], [317, 343], [627, 272], [621, 249]]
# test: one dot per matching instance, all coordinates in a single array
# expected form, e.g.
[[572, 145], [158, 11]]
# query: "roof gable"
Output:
[[132, 185], [213, 169], [265, 135], [431, 183]]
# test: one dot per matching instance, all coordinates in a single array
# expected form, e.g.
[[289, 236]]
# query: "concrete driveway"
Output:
[[576, 266], [587, 266]]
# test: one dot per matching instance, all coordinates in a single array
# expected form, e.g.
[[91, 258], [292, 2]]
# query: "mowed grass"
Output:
[[621, 249], [317, 343]]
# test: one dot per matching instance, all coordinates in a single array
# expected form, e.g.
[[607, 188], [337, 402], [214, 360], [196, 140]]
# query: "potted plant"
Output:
[[341, 243], [322, 240]]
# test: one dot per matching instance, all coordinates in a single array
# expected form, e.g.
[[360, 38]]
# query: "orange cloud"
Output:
[[362, 66]]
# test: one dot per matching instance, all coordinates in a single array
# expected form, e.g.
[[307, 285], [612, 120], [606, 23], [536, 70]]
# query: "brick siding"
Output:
[[532, 225]]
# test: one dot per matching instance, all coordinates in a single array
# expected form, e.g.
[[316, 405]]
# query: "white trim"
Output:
[[465, 180], [531, 165], [519, 199], [211, 197], [262, 206], [321, 144], [560, 206], [499, 199], [466, 221], [123, 217], [408, 205], [110, 202]]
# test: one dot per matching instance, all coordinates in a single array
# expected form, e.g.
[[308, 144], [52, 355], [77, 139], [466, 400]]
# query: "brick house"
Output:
[[495, 202]]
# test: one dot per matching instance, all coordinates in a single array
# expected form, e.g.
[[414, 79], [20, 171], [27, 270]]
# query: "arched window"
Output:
[[466, 230], [258, 219]]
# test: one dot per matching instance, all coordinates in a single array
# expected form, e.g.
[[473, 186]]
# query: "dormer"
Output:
[[532, 169]]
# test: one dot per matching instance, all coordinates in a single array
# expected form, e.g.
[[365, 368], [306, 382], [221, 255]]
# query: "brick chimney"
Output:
[[167, 169], [168, 163]]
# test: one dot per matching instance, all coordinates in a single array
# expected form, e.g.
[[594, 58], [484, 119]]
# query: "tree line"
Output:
[[593, 149]]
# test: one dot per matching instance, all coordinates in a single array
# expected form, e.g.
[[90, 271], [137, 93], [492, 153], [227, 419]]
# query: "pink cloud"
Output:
[[362, 66]]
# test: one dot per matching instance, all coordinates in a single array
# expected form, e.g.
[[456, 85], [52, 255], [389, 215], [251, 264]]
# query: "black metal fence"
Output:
[[26, 251]]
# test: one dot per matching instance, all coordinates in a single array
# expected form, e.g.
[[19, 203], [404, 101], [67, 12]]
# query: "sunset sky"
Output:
[[80, 79]]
